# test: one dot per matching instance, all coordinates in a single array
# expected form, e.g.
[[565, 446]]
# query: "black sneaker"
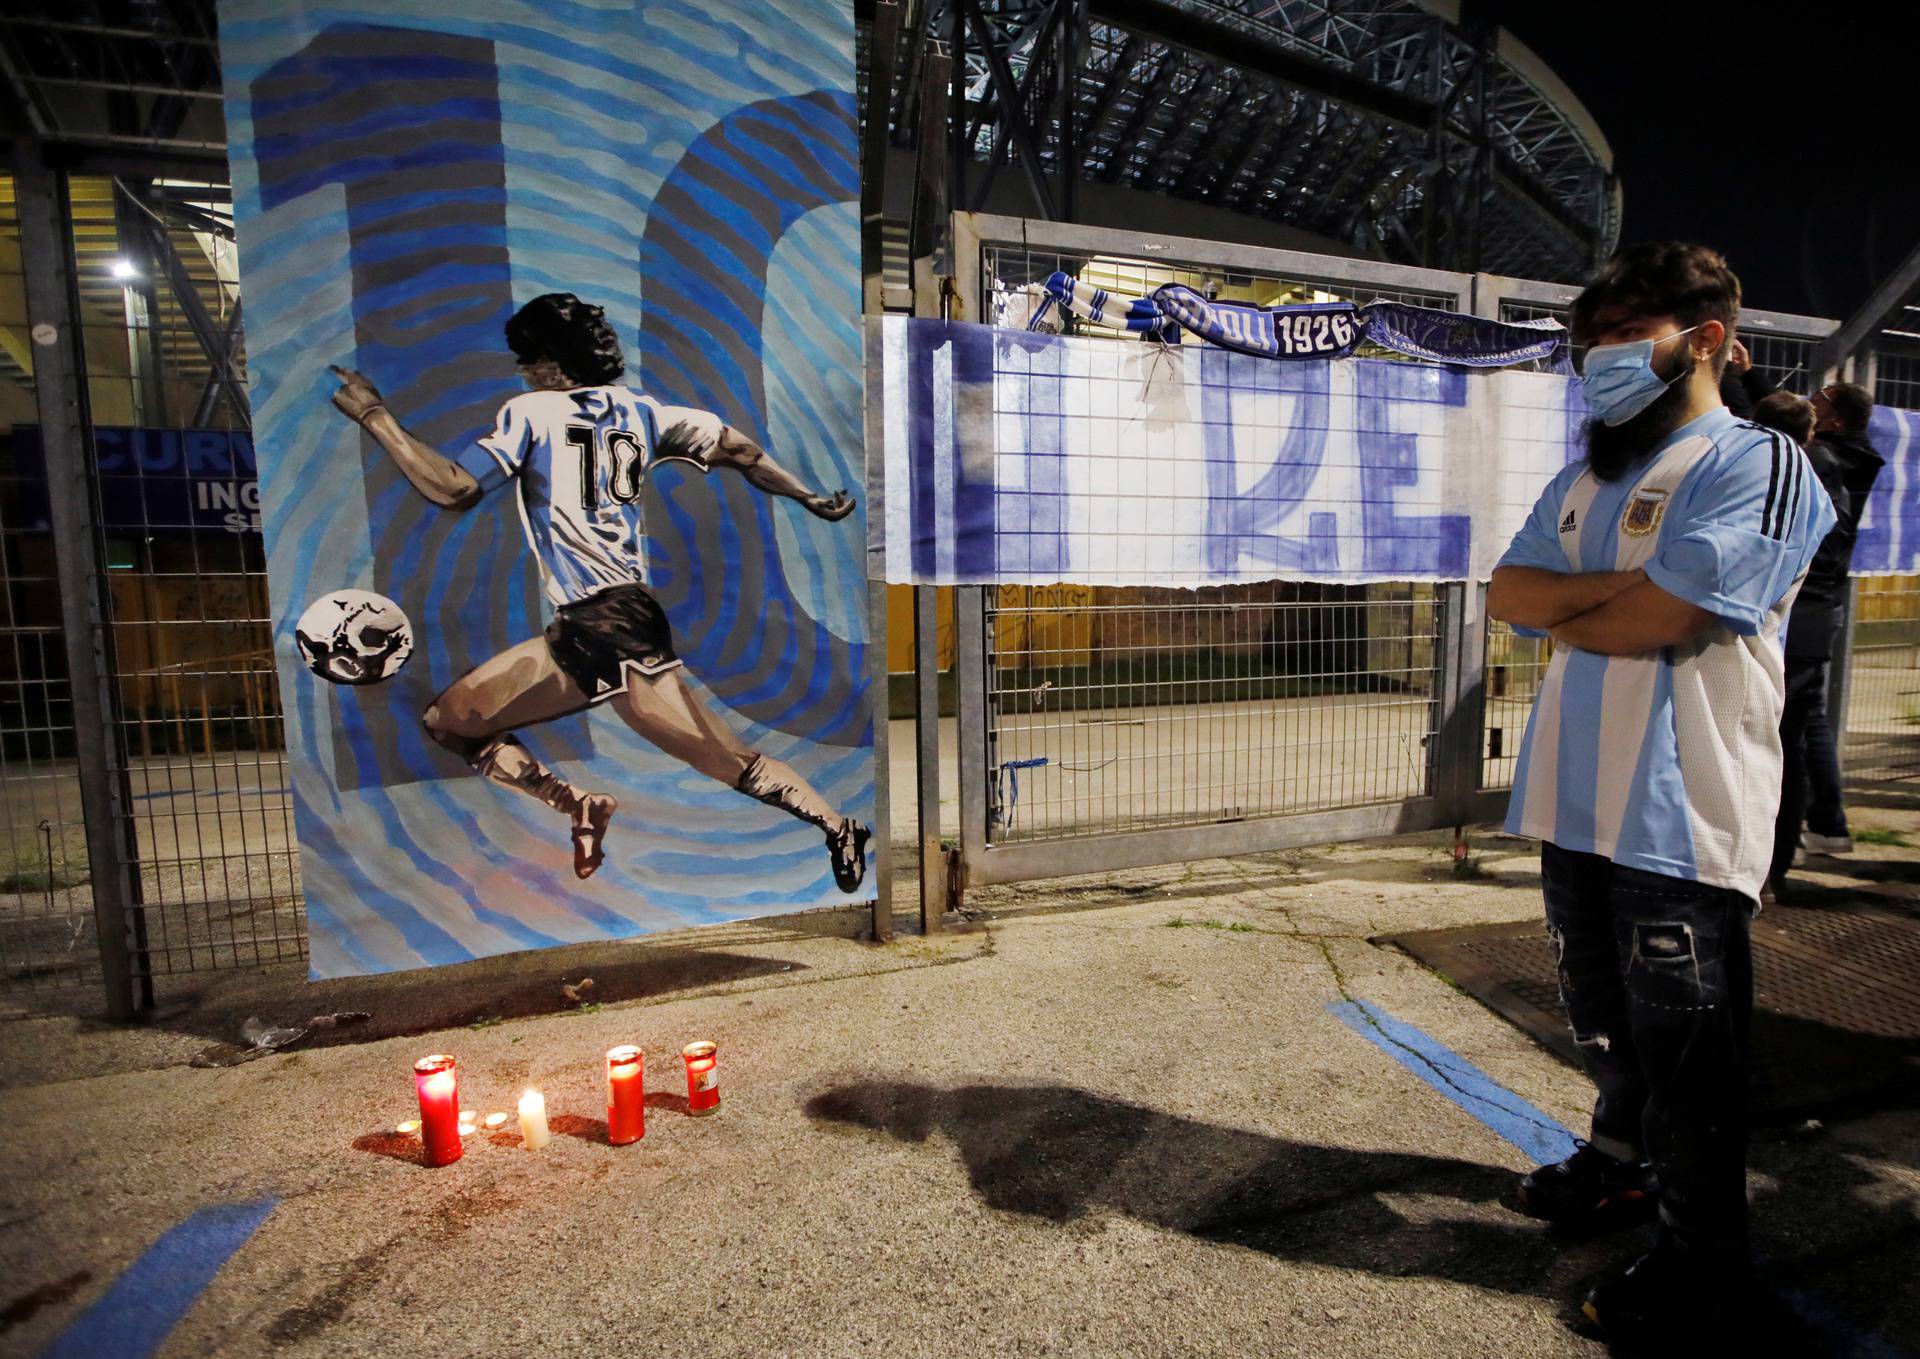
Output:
[[1670, 1294], [1591, 1192], [847, 847]]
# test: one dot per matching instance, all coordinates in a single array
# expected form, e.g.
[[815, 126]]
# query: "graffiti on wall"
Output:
[[554, 349]]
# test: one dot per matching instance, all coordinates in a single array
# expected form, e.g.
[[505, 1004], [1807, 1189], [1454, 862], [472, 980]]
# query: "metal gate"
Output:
[[1104, 728], [141, 742], [1110, 728]]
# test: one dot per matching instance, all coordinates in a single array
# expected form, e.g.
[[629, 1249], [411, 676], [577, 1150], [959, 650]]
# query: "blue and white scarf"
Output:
[[1311, 330], [1450, 337], [1138, 314]]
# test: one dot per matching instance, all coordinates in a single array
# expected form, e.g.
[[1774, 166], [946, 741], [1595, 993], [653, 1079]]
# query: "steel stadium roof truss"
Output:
[[1381, 124], [1384, 125]]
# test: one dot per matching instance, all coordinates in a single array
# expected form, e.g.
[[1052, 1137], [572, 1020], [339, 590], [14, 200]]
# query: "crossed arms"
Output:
[[450, 486], [1609, 613]]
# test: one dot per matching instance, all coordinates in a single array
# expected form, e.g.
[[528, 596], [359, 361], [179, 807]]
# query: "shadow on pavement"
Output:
[[1057, 1153], [1836, 1255]]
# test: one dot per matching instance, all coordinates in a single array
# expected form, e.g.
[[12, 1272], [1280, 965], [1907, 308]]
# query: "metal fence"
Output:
[[1896, 372], [1104, 728], [1515, 667], [47, 936], [194, 764], [1099, 728], [1150, 709], [1881, 740]]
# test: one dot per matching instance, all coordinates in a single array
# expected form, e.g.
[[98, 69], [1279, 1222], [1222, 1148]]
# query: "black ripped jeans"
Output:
[[1657, 977]]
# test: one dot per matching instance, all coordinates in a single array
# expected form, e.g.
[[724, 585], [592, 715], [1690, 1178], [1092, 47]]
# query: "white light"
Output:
[[122, 269]]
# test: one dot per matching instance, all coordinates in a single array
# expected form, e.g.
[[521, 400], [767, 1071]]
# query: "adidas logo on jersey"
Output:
[[1568, 525]]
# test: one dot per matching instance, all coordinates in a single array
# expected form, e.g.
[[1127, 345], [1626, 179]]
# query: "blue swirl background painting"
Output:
[[405, 175]]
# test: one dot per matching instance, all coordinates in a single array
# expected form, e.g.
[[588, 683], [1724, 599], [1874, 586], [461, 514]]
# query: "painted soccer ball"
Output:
[[354, 637]]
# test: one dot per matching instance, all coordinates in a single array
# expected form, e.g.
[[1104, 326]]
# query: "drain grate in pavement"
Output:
[[1836, 998]]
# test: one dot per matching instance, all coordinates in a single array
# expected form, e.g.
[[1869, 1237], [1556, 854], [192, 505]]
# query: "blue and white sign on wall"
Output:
[[552, 320]]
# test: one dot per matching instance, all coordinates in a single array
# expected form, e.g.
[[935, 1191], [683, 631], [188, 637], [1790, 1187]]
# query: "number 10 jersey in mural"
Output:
[[577, 447]]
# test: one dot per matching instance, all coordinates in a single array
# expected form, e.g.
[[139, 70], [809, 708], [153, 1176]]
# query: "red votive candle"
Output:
[[437, 1080], [703, 1077], [626, 1095]]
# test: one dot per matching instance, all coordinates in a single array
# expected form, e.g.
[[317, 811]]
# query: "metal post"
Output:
[[1460, 697], [884, 48], [970, 693], [140, 296], [1068, 145], [926, 718], [873, 179], [955, 122], [60, 396], [929, 230], [882, 749], [875, 554], [942, 125], [1840, 675]]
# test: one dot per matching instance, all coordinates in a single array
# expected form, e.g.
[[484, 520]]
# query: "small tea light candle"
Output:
[[626, 1095], [494, 1120], [408, 1127], [703, 1077], [533, 1120], [437, 1080]]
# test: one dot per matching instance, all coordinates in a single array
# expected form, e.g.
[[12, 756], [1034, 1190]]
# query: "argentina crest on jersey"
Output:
[[1643, 513]]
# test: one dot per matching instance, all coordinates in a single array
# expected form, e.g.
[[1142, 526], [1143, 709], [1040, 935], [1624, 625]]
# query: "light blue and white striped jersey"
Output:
[[579, 461], [1670, 761]]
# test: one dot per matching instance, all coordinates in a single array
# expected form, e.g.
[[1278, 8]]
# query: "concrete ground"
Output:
[[1113, 1117]]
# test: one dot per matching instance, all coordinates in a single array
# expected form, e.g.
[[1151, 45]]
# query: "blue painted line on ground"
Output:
[[1545, 1139], [1855, 1343], [133, 1318], [1495, 1106]]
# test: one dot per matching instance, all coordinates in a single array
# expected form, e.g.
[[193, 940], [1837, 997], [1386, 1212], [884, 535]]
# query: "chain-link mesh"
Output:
[[47, 937], [1882, 737], [1114, 710], [1896, 375], [1515, 667], [1134, 709], [1005, 269], [200, 724]]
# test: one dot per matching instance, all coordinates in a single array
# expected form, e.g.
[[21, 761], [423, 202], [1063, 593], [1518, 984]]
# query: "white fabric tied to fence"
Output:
[[1017, 457]]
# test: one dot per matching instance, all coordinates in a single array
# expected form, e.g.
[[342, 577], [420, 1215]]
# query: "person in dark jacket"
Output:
[[1742, 386], [1847, 465]]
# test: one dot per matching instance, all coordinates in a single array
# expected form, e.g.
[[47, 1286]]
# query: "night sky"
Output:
[[1788, 137]]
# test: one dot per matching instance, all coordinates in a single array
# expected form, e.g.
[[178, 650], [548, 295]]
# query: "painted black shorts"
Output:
[[596, 640]]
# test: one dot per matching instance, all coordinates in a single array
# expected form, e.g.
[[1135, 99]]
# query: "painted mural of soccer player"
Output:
[[577, 448]]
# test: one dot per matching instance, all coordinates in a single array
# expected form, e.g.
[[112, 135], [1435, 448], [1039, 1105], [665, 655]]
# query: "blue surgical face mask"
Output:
[[1618, 379]]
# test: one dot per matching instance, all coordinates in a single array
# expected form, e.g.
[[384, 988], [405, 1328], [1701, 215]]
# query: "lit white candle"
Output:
[[533, 1120]]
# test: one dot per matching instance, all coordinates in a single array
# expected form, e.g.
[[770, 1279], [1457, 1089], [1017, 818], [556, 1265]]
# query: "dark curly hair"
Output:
[[572, 333], [1851, 402], [1690, 283], [1791, 415]]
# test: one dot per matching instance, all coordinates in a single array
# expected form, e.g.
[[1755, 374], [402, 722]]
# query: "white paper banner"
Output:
[[1021, 458]]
